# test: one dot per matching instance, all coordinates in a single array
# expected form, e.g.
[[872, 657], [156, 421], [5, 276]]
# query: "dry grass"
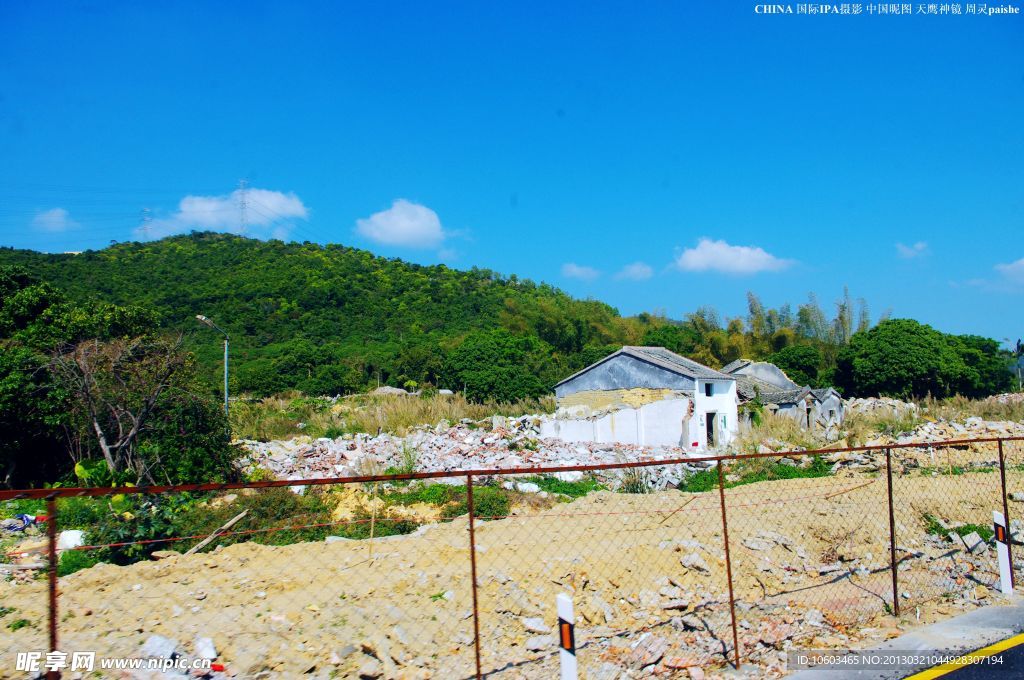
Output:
[[290, 414], [776, 428], [958, 408]]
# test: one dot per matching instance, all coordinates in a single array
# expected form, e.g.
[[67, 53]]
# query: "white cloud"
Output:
[[638, 271], [56, 219], [909, 252], [267, 214], [1012, 272], [404, 224], [719, 256], [571, 270]]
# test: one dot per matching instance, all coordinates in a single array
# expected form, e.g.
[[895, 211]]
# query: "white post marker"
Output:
[[1003, 551], [566, 636]]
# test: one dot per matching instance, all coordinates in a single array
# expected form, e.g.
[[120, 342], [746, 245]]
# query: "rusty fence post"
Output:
[[1006, 513], [728, 565], [892, 537], [51, 532], [472, 567]]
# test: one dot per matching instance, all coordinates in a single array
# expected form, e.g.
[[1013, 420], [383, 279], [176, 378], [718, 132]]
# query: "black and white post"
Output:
[[566, 636]]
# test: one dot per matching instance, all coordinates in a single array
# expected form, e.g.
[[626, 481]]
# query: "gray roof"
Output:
[[821, 394], [749, 388], [736, 365], [663, 358]]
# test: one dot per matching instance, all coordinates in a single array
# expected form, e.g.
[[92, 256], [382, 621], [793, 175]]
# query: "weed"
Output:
[[18, 624], [932, 526], [4, 611], [75, 560], [752, 470], [636, 480], [489, 502]]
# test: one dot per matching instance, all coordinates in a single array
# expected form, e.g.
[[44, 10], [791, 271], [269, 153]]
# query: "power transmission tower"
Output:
[[144, 222], [243, 206]]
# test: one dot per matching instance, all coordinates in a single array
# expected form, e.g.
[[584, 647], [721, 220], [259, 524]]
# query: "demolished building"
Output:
[[818, 409], [648, 396]]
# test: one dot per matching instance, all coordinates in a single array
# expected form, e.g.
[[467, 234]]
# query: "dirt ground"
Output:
[[646, 572]]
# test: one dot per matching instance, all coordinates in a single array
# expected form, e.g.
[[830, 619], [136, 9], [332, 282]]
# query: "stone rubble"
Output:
[[491, 444]]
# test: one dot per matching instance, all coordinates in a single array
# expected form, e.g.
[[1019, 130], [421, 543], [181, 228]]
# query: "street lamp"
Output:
[[203, 320]]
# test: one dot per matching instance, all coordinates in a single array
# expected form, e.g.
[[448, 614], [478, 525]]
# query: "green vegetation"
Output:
[[94, 390], [108, 336], [932, 526], [570, 489], [18, 624], [329, 320], [751, 470], [904, 358]]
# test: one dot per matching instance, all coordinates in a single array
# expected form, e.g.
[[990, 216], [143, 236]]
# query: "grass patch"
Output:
[[489, 502], [71, 561], [432, 494], [932, 526], [753, 470], [18, 624], [4, 611], [572, 489]]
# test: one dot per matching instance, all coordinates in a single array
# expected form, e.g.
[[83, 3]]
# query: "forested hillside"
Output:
[[334, 320]]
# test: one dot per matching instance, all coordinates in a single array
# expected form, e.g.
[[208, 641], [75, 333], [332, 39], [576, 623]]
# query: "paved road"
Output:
[[1004, 659], [974, 630]]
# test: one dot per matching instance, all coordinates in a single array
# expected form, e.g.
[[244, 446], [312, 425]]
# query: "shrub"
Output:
[[489, 502], [75, 560]]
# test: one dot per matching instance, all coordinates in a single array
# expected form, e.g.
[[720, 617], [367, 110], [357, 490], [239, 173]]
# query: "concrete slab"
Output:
[[958, 635]]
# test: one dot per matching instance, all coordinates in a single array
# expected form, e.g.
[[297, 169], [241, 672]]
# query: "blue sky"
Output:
[[658, 156]]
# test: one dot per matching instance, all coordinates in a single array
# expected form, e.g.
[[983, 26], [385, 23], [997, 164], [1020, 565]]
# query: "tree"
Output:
[[90, 381], [496, 365], [114, 387], [904, 358], [800, 362]]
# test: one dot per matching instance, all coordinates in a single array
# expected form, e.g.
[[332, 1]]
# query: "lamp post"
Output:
[[203, 320]]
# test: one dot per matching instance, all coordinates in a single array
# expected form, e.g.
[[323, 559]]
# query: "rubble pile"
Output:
[[1007, 398], [879, 406], [495, 443]]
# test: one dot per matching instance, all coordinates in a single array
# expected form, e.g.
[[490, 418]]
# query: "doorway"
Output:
[[709, 426]]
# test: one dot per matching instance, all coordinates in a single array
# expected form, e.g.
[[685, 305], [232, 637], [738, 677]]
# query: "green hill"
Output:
[[332, 319]]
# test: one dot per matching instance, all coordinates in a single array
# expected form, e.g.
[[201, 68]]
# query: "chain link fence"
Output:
[[689, 563]]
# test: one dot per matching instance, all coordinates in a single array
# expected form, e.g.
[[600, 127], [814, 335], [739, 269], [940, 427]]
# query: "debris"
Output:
[[646, 651], [206, 541], [975, 543]]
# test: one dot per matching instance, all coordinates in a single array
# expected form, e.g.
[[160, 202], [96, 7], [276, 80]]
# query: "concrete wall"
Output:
[[660, 423], [624, 372]]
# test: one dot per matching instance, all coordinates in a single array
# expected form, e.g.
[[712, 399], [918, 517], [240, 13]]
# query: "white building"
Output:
[[648, 396]]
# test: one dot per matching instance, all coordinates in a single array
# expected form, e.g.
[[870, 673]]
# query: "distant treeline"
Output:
[[336, 320]]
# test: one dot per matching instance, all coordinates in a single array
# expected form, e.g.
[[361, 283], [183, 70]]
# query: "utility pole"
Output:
[[205, 321], [1019, 353]]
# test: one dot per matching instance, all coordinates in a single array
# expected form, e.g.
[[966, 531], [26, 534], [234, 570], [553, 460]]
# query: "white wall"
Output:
[[722, 402], [660, 423], [656, 424]]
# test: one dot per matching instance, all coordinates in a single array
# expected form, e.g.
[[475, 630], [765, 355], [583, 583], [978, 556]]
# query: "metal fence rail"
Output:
[[752, 554]]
